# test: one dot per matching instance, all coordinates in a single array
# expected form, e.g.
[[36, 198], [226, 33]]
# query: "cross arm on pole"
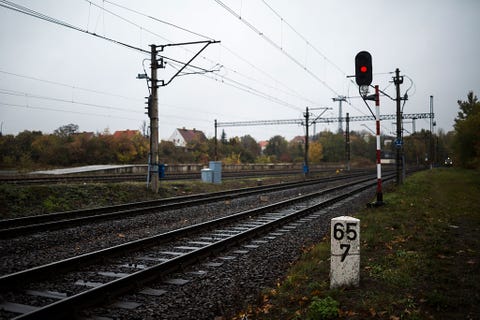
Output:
[[207, 43]]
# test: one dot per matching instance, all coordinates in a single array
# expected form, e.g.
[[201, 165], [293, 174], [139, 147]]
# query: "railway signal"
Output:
[[363, 68]]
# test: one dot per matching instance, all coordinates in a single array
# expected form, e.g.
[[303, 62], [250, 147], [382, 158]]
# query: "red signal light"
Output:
[[363, 68]]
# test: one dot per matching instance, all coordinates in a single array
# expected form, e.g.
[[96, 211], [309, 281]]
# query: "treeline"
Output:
[[67, 146], [467, 132]]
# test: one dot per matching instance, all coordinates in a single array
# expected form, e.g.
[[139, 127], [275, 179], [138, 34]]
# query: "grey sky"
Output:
[[433, 42]]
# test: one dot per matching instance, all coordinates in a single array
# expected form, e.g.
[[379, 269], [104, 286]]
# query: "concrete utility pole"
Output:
[[347, 140], [216, 142], [340, 99], [398, 80], [305, 164], [432, 141], [154, 121]]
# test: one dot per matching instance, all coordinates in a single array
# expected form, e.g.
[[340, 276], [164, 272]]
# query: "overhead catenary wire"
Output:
[[308, 43], [246, 88], [277, 46], [70, 86], [29, 95], [288, 91], [158, 20], [292, 93], [315, 49], [16, 7], [29, 106], [10, 5], [203, 70], [13, 6]]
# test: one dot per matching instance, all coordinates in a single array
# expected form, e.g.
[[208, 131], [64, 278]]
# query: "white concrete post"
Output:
[[345, 252]]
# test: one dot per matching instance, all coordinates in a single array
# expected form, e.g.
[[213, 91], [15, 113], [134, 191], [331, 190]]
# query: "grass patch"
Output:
[[18, 200], [419, 259]]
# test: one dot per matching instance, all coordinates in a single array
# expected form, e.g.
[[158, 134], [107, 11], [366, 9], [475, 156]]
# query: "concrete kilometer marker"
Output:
[[345, 252]]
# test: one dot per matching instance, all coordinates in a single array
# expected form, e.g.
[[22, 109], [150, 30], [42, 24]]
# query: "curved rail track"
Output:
[[62, 289], [26, 225]]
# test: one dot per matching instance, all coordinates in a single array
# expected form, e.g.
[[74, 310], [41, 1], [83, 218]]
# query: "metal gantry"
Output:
[[323, 120]]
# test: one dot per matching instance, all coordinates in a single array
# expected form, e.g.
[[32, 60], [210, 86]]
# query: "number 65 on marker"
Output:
[[345, 252]]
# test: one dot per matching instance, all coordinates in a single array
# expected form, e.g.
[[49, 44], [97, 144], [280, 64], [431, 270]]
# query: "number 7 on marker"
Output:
[[346, 247]]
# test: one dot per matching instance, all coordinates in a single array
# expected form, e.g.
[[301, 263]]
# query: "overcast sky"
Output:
[[279, 58]]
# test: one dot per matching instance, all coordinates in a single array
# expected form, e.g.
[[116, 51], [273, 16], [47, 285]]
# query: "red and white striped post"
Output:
[[379, 165]]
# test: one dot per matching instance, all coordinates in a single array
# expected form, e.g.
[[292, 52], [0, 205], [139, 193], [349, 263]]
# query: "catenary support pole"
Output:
[[154, 121], [398, 80], [216, 142], [305, 164], [347, 140], [431, 144], [340, 99]]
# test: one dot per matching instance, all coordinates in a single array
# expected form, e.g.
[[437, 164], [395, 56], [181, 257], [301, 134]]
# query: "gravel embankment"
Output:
[[220, 291], [30, 251], [219, 287]]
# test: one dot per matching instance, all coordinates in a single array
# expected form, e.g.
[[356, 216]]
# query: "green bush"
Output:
[[319, 309]]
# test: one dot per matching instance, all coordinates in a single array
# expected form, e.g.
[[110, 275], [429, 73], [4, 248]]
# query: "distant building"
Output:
[[183, 137], [263, 145], [87, 135], [126, 133], [298, 139]]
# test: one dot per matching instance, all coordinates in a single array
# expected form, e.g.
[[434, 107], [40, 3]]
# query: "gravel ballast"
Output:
[[224, 285], [218, 287]]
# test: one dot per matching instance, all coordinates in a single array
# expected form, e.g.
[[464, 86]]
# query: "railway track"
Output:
[[33, 180], [64, 288], [27, 225]]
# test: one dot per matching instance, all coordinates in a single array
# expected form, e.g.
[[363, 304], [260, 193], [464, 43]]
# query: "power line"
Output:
[[277, 46], [158, 20], [16, 7], [33, 13], [246, 88], [126, 20], [144, 29], [280, 48], [28, 95], [296, 94], [243, 87], [70, 86], [28, 106], [292, 93], [308, 43]]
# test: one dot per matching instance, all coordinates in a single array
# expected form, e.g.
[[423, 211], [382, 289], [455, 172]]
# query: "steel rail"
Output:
[[105, 292], [43, 271], [54, 221], [171, 176]]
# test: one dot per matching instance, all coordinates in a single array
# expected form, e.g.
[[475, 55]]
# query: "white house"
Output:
[[182, 137]]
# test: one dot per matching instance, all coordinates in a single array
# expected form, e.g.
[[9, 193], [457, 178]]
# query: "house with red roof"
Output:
[[126, 133], [298, 140], [263, 145], [183, 137]]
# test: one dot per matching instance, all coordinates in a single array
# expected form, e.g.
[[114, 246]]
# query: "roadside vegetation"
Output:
[[23, 200], [67, 146], [420, 259]]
